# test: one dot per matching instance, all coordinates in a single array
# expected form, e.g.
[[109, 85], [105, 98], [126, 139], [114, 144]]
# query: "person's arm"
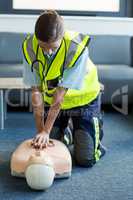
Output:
[[54, 108], [38, 108], [42, 139], [33, 80]]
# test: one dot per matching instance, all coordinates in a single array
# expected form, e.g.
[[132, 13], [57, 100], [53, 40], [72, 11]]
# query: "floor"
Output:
[[111, 178]]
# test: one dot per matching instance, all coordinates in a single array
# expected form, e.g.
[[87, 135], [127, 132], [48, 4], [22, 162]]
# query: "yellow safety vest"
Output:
[[71, 48]]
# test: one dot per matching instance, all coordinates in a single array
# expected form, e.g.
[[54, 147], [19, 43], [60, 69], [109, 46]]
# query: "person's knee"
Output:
[[84, 149]]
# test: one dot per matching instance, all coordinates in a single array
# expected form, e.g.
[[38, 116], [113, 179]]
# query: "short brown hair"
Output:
[[49, 26]]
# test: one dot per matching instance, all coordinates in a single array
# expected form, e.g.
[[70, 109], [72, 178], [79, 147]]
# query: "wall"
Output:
[[89, 25], [125, 9]]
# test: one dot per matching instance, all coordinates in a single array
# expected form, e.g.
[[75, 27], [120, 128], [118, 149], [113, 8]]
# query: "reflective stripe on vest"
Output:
[[82, 42], [27, 41]]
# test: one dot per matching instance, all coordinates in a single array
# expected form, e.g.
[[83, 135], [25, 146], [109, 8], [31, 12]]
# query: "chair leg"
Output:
[[5, 108], [1, 109]]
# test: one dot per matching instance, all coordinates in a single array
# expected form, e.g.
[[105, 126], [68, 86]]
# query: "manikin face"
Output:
[[40, 157], [49, 47]]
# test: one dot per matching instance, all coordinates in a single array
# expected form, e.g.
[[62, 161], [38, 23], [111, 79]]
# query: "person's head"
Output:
[[49, 30]]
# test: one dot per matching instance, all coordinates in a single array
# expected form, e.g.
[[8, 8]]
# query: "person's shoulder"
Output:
[[75, 36], [73, 33], [70, 34]]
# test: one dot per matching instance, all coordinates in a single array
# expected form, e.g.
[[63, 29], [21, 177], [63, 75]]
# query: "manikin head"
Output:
[[49, 31], [39, 172]]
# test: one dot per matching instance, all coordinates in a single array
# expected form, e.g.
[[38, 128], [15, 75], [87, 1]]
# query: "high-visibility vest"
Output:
[[72, 46]]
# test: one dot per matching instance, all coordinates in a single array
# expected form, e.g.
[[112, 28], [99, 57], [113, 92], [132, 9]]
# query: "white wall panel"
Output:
[[90, 25], [78, 5]]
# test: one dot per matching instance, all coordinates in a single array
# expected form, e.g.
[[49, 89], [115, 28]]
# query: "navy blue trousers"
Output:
[[87, 131]]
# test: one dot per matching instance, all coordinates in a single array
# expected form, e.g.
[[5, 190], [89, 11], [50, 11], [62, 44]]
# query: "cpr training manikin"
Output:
[[40, 167]]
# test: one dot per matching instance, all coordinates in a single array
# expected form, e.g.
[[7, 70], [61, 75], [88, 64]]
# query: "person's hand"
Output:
[[41, 141]]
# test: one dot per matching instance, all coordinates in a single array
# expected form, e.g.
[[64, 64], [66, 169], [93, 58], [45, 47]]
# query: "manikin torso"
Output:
[[57, 155]]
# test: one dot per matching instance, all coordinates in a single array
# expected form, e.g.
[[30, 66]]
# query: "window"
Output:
[[69, 5]]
